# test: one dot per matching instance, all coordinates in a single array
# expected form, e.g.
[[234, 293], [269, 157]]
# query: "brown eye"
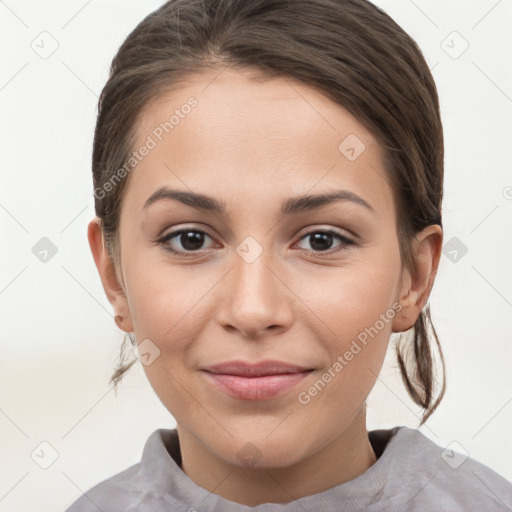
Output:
[[190, 240], [322, 240]]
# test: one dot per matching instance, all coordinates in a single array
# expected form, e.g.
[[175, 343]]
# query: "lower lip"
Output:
[[255, 388]]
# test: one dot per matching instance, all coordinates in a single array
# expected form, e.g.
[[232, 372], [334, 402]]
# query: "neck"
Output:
[[346, 457]]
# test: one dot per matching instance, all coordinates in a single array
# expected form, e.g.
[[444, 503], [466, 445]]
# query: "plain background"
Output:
[[58, 339]]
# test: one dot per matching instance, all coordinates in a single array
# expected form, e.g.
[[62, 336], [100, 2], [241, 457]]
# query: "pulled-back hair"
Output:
[[349, 50]]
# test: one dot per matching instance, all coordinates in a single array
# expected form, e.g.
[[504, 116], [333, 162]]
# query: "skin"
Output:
[[253, 143]]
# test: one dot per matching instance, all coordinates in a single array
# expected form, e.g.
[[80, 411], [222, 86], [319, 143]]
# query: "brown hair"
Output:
[[351, 51]]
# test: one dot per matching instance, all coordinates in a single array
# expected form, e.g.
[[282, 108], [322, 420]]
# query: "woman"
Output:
[[268, 185]]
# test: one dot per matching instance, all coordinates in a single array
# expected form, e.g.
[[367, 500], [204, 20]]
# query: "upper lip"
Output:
[[263, 368]]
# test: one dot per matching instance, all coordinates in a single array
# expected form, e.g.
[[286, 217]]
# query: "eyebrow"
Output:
[[290, 206]]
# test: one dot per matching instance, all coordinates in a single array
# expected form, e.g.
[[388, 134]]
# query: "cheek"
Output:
[[167, 302], [356, 306], [348, 300], [360, 325], [170, 307]]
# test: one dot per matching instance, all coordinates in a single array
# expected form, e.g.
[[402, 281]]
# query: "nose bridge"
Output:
[[253, 300], [252, 277]]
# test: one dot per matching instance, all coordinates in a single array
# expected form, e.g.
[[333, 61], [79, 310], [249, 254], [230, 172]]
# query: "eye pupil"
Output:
[[321, 239], [191, 240]]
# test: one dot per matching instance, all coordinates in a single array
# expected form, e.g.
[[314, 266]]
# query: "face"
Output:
[[263, 272]]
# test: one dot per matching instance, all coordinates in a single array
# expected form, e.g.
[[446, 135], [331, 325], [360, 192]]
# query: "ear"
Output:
[[112, 282], [416, 286]]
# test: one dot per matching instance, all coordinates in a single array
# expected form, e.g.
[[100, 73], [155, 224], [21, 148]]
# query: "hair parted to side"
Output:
[[349, 50]]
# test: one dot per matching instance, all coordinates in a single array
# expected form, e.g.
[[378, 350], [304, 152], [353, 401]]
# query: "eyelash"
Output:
[[345, 241]]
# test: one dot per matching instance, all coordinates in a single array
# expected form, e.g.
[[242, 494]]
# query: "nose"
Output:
[[255, 297]]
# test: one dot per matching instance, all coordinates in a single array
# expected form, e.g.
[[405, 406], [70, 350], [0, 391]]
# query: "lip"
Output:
[[255, 381]]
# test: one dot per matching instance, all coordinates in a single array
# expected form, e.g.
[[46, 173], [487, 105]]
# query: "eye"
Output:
[[191, 240], [321, 240]]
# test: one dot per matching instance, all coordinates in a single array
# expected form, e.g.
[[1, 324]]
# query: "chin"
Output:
[[256, 451]]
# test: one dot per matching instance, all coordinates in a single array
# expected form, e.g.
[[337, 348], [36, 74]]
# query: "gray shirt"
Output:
[[412, 473]]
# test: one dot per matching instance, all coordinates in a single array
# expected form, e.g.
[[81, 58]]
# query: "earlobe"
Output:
[[427, 247], [404, 319], [107, 271]]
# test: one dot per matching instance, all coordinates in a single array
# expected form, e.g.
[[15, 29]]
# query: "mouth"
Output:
[[256, 381]]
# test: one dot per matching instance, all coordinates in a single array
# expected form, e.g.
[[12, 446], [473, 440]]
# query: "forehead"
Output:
[[231, 134]]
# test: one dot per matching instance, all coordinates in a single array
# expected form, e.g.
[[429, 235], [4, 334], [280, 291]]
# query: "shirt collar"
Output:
[[161, 461]]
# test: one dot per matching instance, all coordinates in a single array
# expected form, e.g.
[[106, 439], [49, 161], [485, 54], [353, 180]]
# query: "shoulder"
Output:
[[127, 489], [421, 475], [118, 491]]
